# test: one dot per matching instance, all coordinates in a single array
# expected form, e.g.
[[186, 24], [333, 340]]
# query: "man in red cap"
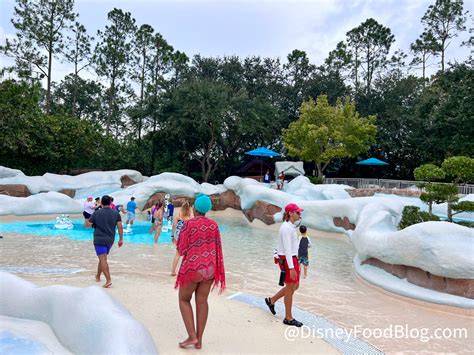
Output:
[[288, 252]]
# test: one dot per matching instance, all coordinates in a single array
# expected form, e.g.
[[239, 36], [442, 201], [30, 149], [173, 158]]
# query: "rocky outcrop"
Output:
[[372, 192], [15, 190], [220, 202], [344, 223], [262, 211], [227, 199], [69, 192], [127, 181], [422, 278]]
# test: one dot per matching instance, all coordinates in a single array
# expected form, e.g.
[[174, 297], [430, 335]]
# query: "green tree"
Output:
[[423, 48], [399, 127], [428, 173], [444, 20], [367, 49], [19, 108], [195, 116], [324, 132], [460, 169], [112, 56], [446, 118], [40, 29], [78, 52], [143, 46], [298, 74], [86, 97]]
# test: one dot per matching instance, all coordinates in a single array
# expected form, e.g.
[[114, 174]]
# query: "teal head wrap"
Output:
[[203, 203]]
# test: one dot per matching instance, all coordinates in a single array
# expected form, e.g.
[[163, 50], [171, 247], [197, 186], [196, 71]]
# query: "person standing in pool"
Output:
[[131, 207], [89, 208], [185, 213], [200, 246], [104, 223], [288, 252], [303, 257]]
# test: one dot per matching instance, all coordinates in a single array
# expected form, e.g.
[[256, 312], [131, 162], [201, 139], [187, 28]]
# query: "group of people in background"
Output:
[[198, 242], [280, 181]]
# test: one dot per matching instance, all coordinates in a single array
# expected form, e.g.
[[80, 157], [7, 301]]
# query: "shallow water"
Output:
[[331, 290]]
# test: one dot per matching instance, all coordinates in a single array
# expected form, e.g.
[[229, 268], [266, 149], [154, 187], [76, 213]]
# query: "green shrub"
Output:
[[412, 215], [316, 179]]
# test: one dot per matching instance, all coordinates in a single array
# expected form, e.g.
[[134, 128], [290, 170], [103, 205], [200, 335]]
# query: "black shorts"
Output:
[[152, 220], [86, 215]]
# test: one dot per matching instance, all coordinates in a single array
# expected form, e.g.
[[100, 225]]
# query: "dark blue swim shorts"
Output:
[[102, 249]]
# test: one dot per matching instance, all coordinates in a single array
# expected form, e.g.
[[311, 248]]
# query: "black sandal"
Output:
[[271, 306], [292, 322]]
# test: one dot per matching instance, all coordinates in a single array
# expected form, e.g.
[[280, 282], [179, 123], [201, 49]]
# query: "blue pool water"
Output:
[[140, 231]]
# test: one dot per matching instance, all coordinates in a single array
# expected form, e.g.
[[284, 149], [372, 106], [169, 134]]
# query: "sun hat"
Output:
[[203, 203], [293, 207]]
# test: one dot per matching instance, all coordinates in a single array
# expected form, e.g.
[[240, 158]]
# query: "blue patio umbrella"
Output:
[[372, 161], [262, 152]]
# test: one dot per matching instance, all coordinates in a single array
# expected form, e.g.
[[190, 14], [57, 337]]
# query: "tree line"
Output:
[[152, 108]]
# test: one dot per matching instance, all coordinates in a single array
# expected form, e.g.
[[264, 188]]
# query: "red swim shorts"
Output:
[[296, 266]]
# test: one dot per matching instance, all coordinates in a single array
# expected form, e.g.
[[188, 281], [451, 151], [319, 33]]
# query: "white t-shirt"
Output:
[[89, 207], [288, 242]]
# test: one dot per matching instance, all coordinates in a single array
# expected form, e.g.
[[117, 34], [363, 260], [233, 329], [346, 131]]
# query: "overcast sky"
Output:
[[254, 27]]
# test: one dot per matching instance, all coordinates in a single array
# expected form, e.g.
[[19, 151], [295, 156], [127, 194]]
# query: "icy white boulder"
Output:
[[85, 320], [442, 248], [392, 283], [43, 203], [9, 173], [90, 181], [172, 183], [210, 189], [302, 186]]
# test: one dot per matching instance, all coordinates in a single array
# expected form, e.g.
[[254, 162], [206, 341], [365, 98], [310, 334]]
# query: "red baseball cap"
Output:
[[293, 207]]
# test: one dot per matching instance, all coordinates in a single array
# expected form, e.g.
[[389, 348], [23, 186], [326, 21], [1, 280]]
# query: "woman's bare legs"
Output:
[[185, 294], [202, 309], [174, 264], [157, 232]]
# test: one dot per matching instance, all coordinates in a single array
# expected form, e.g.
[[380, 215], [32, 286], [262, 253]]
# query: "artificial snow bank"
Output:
[[86, 321], [317, 214], [91, 181], [9, 173], [441, 248], [391, 283], [43, 203]]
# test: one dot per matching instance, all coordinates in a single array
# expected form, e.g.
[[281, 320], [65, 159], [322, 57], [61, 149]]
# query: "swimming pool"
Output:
[[140, 231], [331, 290]]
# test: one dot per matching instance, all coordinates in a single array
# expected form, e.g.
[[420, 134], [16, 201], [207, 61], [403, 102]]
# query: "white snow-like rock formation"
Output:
[[302, 187], [172, 183], [43, 203], [91, 181], [85, 320], [6, 173], [442, 248], [392, 283]]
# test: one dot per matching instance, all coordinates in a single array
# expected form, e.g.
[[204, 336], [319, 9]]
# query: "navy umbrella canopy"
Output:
[[262, 152]]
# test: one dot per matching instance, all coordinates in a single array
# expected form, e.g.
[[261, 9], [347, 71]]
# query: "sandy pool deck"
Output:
[[232, 327]]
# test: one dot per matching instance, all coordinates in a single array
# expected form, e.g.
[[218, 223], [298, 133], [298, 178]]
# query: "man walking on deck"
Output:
[[104, 222]]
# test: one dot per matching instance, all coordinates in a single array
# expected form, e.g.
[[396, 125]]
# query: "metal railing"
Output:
[[388, 184]]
